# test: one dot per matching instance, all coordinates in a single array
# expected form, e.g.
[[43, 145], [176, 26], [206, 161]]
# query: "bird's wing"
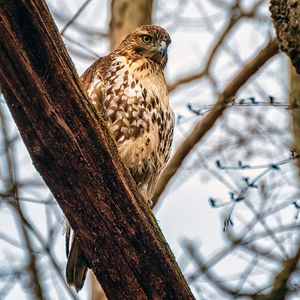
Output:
[[93, 82]]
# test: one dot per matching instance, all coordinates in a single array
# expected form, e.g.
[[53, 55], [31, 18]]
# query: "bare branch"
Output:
[[286, 16], [279, 286], [79, 11], [209, 120], [236, 15], [36, 288], [213, 278]]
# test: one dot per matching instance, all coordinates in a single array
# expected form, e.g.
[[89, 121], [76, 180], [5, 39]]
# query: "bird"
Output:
[[128, 89]]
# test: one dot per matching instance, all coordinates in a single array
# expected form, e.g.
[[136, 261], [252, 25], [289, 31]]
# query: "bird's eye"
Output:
[[146, 39]]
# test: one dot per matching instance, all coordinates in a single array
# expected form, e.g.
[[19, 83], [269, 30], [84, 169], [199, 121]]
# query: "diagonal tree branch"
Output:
[[72, 149], [209, 120], [237, 14]]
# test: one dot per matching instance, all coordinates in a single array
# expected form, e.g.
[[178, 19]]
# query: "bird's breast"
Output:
[[137, 110]]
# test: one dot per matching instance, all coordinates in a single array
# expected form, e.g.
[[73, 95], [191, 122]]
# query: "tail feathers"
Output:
[[77, 266]]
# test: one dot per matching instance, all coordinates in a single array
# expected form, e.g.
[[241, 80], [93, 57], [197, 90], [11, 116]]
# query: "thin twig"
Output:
[[80, 10], [85, 48]]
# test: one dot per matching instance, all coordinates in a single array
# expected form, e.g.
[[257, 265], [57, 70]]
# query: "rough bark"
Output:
[[286, 19], [126, 16], [72, 149]]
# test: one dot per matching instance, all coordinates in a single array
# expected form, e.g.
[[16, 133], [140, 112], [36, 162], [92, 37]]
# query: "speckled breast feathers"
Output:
[[128, 88]]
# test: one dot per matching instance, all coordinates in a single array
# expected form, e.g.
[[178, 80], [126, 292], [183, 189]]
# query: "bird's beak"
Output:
[[159, 53], [162, 48]]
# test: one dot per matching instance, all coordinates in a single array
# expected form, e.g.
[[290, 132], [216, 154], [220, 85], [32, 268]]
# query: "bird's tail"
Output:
[[77, 266]]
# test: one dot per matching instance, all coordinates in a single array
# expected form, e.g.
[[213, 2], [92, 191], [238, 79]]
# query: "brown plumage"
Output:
[[128, 88]]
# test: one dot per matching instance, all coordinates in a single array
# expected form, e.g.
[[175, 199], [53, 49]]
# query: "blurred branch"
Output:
[[286, 20], [87, 31], [36, 289], [72, 149], [295, 109], [125, 16], [279, 286], [212, 277], [80, 54], [93, 55], [79, 11], [236, 15], [209, 120], [9, 240], [47, 249], [280, 283]]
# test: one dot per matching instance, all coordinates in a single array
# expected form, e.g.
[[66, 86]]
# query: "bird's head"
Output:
[[148, 41]]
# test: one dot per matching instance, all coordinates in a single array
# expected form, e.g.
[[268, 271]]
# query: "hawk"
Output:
[[128, 88]]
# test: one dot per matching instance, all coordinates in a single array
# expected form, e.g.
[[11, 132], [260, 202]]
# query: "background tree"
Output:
[[285, 16], [241, 172]]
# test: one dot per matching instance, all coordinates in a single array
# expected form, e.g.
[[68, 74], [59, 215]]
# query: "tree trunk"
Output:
[[73, 151], [126, 16], [286, 19]]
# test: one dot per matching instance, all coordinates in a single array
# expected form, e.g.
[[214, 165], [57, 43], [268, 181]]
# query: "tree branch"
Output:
[[72, 149], [77, 14], [280, 282], [216, 111], [237, 14], [210, 275]]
